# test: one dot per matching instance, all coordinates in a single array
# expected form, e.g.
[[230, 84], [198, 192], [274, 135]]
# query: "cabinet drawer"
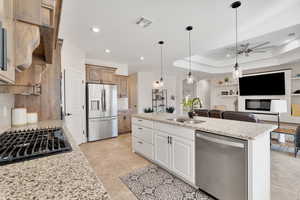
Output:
[[143, 148], [142, 122], [143, 133], [174, 130]]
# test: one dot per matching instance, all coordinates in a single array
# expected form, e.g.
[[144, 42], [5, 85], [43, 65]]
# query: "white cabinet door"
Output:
[[162, 149], [182, 154]]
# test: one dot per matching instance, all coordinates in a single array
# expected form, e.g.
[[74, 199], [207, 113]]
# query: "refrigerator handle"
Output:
[[104, 98]]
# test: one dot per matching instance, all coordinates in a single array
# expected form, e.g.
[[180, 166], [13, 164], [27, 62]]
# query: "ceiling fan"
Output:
[[246, 49]]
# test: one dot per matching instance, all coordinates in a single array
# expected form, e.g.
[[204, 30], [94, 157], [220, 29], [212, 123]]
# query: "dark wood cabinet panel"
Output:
[[124, 122], [28, 11], [99, 74], [122, 83]]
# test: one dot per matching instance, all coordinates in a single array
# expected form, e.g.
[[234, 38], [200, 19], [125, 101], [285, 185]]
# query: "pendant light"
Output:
[[237, 72], [161, 80], [190, 79]]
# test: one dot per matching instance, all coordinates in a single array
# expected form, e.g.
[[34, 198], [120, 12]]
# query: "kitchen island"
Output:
[[61, 176], [170, 141]]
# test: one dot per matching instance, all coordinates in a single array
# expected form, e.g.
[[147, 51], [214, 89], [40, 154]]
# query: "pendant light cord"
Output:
[[190, 53], [236, 36], [161, 62]]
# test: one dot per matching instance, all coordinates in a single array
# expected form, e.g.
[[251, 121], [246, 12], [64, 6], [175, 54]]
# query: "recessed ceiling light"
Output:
[[142, 58], [95, 29], [228, 55], [107, 51]]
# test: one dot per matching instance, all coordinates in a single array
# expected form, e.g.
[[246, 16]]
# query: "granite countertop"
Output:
[[61, 176], [232, 128]]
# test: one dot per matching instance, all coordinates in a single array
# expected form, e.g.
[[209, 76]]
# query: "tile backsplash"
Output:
[[6, 104]]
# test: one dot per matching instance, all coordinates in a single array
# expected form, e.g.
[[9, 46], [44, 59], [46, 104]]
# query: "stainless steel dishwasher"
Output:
[[222, 166]]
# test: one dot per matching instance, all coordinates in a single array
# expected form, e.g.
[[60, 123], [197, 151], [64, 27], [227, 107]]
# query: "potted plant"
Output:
[[188, 105], [170, 109], [226, 79], [148, 110]]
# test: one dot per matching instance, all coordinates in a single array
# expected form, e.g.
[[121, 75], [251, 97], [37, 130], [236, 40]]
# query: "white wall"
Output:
[[122, 69], [203, 92], [144, 90], [73, 61], [6, 104]]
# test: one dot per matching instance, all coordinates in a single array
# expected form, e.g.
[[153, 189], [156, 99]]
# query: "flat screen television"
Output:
[[262, 85]]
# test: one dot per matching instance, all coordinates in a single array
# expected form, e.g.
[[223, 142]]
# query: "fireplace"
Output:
[[258, 104]]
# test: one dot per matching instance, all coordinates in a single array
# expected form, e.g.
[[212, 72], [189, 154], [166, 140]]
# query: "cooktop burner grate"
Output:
[[32, 143]]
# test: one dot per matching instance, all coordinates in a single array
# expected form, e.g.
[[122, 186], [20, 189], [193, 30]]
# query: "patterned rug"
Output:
[[155, 183]]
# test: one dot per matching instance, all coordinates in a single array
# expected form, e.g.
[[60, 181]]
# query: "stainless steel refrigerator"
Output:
[[102, 110]]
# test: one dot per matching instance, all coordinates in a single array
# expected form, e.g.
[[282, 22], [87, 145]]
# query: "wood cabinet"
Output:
[[99, 74], [173, 146], [132, 93], [38, 12], [124, 122], [28, 11], [122, 84], [6, 18]]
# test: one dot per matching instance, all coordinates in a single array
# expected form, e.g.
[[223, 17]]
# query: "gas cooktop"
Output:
[[32, 143]]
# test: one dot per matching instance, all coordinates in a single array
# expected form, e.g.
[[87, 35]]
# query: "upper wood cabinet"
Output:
[[100, 74], [38, 12], [6, 17], [122, 83], [28, 11]]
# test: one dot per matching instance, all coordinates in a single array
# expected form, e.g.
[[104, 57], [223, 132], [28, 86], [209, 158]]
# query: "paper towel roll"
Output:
[[19, 116], [32, 118]]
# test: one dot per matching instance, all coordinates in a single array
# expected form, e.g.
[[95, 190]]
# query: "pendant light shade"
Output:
[[190, 78], [161, 80], [237, 71]]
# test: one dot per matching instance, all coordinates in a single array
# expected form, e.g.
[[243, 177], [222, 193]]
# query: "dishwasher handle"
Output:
[[220, 141]]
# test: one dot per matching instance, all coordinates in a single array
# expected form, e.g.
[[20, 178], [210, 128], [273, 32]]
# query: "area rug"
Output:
[[155, 183]]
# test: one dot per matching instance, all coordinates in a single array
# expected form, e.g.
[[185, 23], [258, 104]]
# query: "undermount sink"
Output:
[[186, 120]]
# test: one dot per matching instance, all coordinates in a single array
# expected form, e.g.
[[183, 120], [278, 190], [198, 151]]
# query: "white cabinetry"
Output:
[[162, 149], [169, 146], [142, 138], [182, 157]]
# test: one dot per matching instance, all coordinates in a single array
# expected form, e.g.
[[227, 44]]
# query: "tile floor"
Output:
[[113, 158]]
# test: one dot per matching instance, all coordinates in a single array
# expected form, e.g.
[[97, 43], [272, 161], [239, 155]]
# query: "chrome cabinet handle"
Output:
[[168, 139], [140, 120], [171, 140], [140, 128], [140, 142]]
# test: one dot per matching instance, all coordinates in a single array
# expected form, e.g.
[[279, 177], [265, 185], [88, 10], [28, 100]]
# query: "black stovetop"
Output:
[[32, 143]]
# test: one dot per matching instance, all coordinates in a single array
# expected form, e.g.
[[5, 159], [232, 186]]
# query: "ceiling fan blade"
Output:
[[267, 47], [245, 46], [254, 51], [260, 45]]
